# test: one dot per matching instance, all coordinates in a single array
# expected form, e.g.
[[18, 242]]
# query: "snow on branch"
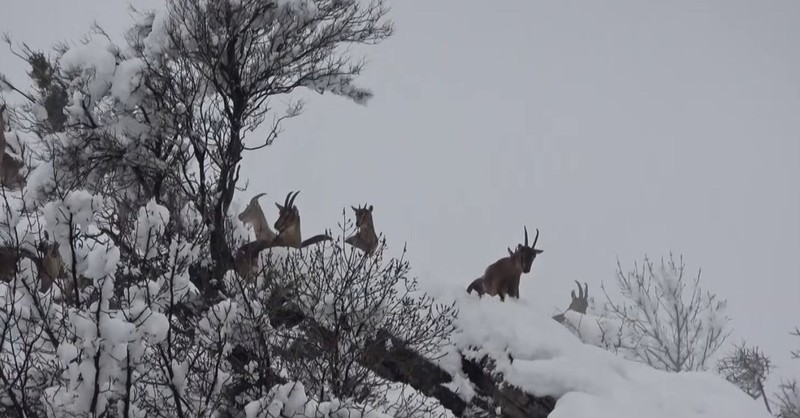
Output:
[[665, 319]]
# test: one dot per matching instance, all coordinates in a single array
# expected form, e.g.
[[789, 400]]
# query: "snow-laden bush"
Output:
[[664, 319]]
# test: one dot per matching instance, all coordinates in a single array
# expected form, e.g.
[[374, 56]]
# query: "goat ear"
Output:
[[573, 294], [370, 208], [354, 209], [279, 206], [509, 251], [538, 251]]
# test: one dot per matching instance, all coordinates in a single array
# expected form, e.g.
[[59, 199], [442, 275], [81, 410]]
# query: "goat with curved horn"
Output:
[[288, 226], [254, 215], [502, 277], [579, 303], [287, 235]]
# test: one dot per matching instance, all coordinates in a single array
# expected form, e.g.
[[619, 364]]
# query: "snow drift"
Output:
[[542, 357]]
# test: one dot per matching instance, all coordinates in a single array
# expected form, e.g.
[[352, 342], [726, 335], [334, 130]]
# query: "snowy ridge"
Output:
[[588, 381]]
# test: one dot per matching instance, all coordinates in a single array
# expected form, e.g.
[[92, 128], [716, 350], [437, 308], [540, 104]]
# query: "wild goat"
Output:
[[288, 226], [52, 267], [253, 215], [244, 262], [288, 235], [10, 168], [49, 266], [365, 239], [502, 276], [579, 303], [245, 259]]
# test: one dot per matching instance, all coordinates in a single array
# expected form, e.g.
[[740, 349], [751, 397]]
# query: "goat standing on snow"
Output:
[[502, 276]]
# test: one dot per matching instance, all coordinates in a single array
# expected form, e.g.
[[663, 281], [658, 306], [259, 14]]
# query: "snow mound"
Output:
[[587, 380]]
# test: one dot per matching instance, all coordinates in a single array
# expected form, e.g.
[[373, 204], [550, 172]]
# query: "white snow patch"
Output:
[[291, 400], [152, 220], [126, 85], [96, 61], [588, 381], [157, 41]]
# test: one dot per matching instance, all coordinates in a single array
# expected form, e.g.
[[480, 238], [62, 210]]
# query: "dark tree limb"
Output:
[[398, 363]]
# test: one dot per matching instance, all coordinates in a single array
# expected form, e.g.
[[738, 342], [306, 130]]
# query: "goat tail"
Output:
[[315, 239], [476, 285]]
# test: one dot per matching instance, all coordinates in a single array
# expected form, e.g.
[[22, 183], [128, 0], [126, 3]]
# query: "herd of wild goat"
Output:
[[500, 278]]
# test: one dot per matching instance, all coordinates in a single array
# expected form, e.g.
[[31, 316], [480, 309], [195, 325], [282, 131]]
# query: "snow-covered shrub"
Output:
[[748, 368], [663, 319], [356, 307]]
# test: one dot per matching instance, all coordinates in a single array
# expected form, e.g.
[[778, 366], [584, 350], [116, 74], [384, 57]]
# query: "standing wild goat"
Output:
[[365, 239], [502, 276], [10, 168]]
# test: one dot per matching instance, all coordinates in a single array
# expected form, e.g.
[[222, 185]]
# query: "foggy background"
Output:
[[619, 129]]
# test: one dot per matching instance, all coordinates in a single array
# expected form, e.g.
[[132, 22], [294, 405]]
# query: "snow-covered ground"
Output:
[[587, 380]]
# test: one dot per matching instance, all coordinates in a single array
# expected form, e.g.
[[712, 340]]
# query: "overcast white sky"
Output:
[[617, 128]]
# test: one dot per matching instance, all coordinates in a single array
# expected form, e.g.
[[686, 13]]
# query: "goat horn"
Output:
[[586, 292], [286, 201], [256, 197], [526, 236], [580, 289], [536, 238], [291, 201]]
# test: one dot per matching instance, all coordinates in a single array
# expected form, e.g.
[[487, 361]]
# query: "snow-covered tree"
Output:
[[118, 295], [664, 319]]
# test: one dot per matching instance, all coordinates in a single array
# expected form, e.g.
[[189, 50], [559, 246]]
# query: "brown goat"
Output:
[[502, 277], [8, 264], [52, 267], [254, 215], [10, 168], [365, 239], [49, 267], [288, 226], [244, 261]]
